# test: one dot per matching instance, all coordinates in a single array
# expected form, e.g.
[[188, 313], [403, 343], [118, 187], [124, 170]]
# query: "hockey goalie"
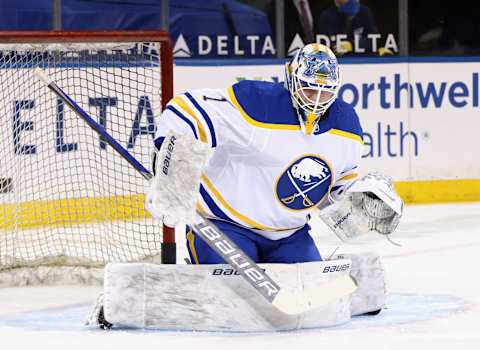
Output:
[[258, 160]]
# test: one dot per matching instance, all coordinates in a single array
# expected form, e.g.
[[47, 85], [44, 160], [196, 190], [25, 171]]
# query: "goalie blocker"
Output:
[[216, 298]]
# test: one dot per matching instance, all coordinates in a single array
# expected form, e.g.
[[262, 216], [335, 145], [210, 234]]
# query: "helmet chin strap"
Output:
[[308, 125]]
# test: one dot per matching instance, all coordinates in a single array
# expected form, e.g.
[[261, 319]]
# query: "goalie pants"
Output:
[[299, 247]]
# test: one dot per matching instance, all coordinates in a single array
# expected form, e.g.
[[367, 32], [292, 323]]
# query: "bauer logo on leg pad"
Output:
[[226, 272], [336, 268]]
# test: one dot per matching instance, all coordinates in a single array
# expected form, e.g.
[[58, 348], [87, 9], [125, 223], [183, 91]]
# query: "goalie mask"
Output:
[[312, 78]]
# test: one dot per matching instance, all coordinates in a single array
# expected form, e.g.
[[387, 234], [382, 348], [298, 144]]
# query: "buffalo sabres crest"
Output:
[[304, 183]]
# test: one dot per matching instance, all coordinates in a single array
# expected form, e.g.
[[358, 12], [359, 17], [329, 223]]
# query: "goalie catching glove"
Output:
[[177, 168], [369, 203]]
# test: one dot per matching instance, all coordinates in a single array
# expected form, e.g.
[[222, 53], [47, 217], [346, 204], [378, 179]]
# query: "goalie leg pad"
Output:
[[214, 297], [367, 270]]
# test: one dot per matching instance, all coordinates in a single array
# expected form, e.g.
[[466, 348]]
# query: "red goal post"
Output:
[[65, 197]]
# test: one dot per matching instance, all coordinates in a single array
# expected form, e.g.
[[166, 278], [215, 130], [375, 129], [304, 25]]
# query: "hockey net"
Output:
[[66, 197]]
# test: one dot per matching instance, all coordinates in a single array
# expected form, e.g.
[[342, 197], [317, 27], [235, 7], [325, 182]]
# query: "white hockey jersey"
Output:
[[264, 173]]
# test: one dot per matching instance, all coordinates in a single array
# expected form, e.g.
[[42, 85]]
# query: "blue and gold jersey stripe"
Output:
[[290, 127], [213, 206], [346, 134], [252, 121], [184, 106], [348, 177], [191, 246], [218, 201], [184, 118], [188, 108], [205, 116]]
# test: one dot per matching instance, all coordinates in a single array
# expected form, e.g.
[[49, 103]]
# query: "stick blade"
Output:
[[297, 303]]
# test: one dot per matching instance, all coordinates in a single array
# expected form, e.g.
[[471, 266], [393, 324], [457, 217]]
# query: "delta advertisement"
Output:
[[420, 120]]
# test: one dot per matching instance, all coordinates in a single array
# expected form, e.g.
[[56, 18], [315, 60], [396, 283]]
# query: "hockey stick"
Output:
[[287, 301]]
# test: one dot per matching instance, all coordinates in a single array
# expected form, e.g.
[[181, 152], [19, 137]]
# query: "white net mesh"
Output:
[[66, 197]]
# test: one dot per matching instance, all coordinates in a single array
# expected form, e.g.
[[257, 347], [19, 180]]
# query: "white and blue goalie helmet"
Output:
[[312, 77]]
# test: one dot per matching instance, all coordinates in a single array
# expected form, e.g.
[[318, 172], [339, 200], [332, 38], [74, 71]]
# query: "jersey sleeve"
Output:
[[188, 113], [350, 173], [346, 178], [209, 116], [349, 124]]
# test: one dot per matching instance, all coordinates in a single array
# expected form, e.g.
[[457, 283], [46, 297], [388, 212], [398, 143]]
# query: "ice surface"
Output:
[[433, 280]]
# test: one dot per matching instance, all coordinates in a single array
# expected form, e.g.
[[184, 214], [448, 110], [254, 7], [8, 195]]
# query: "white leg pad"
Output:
[[367, 270], [214, 298]]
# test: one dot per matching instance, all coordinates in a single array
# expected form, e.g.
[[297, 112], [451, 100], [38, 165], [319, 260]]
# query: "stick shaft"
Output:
[[101, 131]]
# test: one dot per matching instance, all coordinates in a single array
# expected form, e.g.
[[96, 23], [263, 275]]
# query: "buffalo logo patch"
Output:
[[304, 183]]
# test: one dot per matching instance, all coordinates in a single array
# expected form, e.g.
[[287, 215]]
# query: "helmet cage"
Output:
[[324, 97]]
